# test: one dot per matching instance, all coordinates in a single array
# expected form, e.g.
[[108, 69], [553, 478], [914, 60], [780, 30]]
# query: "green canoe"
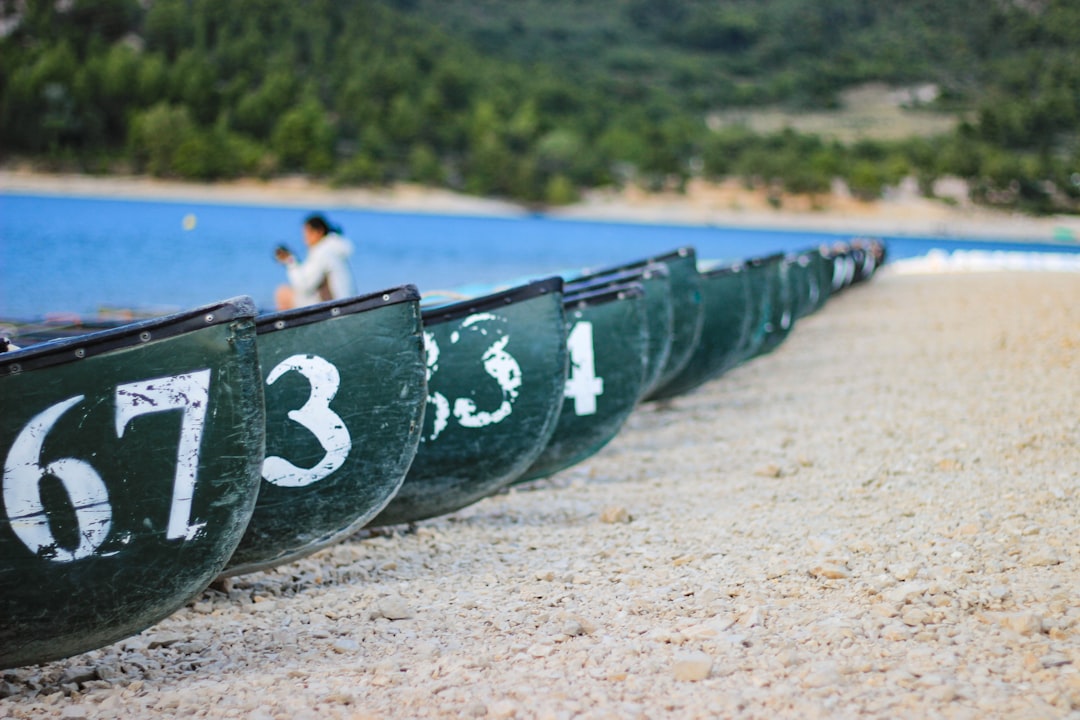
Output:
[[868, 254], [764, 275], [655, 282], [843, 266], [728, 312], [345, 393], [781, 317], [813, 265], [131, 468], [686, 311], [799, 280], [608, 346], [805, 278], [496, 376]]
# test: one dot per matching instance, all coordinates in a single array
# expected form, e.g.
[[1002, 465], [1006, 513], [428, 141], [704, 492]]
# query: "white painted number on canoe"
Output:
[[24, 471], [498, 364], [191, 394], [315, 415], [582, 384]]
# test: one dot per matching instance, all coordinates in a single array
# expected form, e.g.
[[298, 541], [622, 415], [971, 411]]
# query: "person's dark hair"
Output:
[[319, 223]]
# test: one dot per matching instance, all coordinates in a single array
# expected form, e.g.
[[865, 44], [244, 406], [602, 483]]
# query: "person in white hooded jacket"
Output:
[[323, 275]]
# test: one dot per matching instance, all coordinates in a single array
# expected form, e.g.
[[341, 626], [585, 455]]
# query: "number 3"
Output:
[[315, 415]]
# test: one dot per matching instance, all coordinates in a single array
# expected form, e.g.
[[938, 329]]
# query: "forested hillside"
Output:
[[537, 99]]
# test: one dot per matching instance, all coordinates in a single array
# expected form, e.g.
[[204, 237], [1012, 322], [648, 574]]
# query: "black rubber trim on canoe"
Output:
[[765, 259], [79, 347], [446, 313], [335, 308], [599, 296], [615, 277]]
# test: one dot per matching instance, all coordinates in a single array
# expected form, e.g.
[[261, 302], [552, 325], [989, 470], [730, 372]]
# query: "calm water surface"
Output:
[[77, 255]]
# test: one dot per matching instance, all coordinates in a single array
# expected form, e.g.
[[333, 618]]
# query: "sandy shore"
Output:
[[902, 212], [878, 520]]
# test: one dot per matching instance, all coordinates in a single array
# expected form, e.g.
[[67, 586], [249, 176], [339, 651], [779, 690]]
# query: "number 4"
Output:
[[582, 385]]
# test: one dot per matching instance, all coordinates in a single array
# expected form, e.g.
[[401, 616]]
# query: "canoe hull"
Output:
[[727, 308], [609, 347], [129, 478], [345, 392], [659, 310], [496, 375], [687, 316]]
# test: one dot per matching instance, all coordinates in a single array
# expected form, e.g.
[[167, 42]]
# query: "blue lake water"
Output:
[[76, 255]]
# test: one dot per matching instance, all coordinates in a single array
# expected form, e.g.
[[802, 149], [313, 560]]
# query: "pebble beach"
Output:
[[877, 520]]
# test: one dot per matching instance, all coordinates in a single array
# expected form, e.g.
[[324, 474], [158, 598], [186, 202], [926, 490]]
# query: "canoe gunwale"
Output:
[[599, 296], [464, 308], [79, 347], [721, 270], [310, 314], [677, 254], [765, 259], [617, 276]]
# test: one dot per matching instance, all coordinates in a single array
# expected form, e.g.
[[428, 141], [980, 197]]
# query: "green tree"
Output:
[[303, 138], [156, 136]]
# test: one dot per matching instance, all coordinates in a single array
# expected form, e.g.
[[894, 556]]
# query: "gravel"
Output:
[[877, 520]]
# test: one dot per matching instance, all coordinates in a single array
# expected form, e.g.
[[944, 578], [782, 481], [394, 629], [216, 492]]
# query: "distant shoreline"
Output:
[[718, 204]]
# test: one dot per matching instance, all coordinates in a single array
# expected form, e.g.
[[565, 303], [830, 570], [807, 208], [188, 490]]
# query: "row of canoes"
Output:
[[143, 461]]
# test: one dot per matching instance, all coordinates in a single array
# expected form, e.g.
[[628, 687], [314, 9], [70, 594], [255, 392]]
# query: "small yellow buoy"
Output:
[[189, 222]]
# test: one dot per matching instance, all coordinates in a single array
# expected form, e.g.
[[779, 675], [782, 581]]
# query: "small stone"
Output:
[[692, 667], [191, 648], [821, 675], [884, 610], [108, 673], [345, 645], [615, 514], [73, 713], [476, 709], [392, 607], [830, 572], [340, 699], [78, 674], [161, 640], [904, 593], [896, 633], [1054, 660], [1024, 623], [1043, 557], [504, 709], [915, 616], [904, 572], [771, 470]]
